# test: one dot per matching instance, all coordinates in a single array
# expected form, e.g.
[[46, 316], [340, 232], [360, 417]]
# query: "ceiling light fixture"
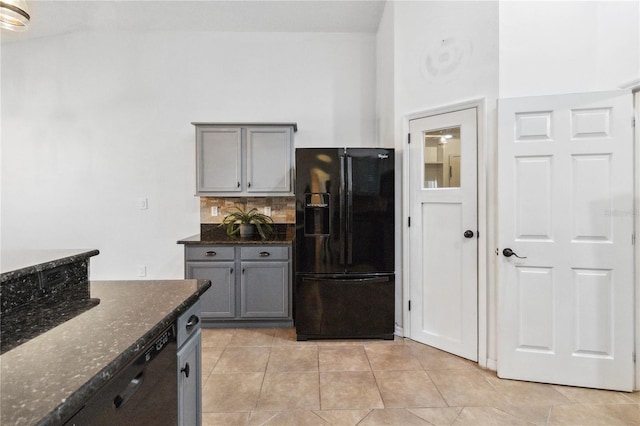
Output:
[[443, 138], [14, 15]]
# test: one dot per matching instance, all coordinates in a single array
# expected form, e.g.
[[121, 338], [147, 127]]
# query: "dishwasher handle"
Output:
[[121, 399]]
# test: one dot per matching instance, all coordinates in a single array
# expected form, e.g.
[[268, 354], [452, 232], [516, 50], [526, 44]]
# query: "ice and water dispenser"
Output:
[[316, 214]]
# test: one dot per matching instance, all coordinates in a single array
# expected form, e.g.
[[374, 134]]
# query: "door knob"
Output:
[[468, 233], [508, 253]]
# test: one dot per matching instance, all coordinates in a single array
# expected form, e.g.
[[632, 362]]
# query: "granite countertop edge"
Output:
[[77, 399], [212, 234], [16, 273], [198, 240]]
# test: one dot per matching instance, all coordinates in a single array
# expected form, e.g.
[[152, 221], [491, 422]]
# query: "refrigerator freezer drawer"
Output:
[[345, 307]]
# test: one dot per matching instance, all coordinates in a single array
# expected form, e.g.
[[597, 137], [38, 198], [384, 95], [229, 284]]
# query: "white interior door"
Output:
[[443, 233], [565, 307]]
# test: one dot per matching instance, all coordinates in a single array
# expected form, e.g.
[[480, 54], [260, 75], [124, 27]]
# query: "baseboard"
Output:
[[399, 331]]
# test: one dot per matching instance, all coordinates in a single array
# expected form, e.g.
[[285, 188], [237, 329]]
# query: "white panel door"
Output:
[[565, 306], [443, 233]]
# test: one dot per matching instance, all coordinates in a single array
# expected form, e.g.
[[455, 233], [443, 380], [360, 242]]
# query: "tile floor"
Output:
[[266, 377]]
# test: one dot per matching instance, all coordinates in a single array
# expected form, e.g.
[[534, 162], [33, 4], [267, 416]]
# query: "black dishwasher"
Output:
[[142, 393]]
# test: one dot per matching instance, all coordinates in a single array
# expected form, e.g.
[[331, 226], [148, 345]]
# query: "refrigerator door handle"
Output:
[[342, 211], [349, 210]]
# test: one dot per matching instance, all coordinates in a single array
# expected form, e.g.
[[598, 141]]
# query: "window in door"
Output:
[[442, 158]]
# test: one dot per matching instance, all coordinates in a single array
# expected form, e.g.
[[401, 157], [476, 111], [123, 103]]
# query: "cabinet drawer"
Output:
[[210, 253], [188, 323], [264, 253]]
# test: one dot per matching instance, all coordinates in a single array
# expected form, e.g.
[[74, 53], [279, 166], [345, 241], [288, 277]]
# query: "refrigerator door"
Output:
[[320, 211], [370, 241]]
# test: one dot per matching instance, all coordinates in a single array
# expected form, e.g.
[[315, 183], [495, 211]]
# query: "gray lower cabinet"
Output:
[[250, 285], [189, 382], [189, 342], [220, 300]]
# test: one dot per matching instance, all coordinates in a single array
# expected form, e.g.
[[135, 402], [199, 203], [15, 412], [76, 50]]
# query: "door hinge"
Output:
[[409, 138], [409, 222], [633, 355], [633, 122], [410, 307], [633, 239]]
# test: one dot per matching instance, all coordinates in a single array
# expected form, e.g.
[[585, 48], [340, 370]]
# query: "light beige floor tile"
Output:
[[216, 337], [210, 357], [527, 393], [289, 391], [242, 360], [465, 388], [437, 416], [391, 357], [349, 390], [600, 414], [434, 359], [486, 416], [343, 358], [392, 416], [533, 414], [287, 337], [225, 419], [594, 396], [286, 418], [293, 358], [339, 342], [634, 396], [402, 389], [397, 340], [353, 395], [231, 392], [342, 417], [253, 337]]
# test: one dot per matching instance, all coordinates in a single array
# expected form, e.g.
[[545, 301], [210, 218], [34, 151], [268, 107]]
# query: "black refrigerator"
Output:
[[344, 259]]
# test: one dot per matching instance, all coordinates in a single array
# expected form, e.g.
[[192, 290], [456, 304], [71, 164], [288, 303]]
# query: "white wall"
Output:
[[505, 49], [568, 47], [91, 122], [445, 53]]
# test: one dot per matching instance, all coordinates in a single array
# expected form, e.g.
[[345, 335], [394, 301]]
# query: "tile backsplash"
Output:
[[283, 209]]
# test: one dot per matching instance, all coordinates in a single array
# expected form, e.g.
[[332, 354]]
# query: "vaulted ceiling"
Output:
[[50, 18]]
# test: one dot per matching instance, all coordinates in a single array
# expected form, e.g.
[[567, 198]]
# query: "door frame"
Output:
[[636, 171], [485, 229], [634, 87]]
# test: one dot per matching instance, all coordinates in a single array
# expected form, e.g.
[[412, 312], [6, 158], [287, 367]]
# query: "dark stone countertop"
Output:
[[45, 380], [215, 235], [17, 263]]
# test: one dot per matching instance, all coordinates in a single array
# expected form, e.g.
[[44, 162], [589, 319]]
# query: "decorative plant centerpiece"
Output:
[[245, 221]]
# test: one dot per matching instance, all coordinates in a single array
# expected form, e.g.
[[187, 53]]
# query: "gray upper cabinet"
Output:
[[219, 159], [235, 159]]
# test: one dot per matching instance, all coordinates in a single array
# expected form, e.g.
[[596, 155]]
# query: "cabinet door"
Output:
[[264, 290], [269, 159], [219, 159], [190, 382], [219, 300]]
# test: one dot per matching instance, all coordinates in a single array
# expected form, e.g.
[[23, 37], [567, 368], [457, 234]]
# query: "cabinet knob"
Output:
[[185, 370], [265, 254], [193, 320], [210, 253], [238, 185], [249, 185]]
